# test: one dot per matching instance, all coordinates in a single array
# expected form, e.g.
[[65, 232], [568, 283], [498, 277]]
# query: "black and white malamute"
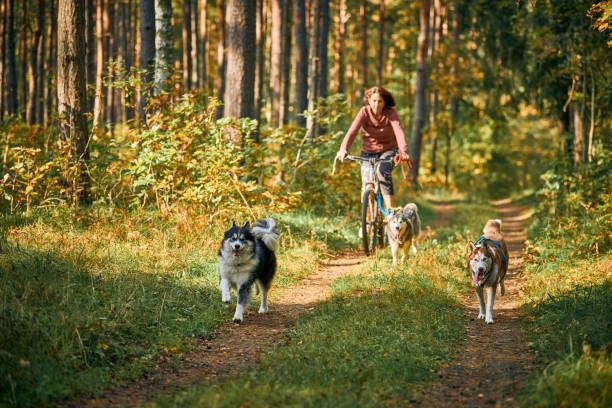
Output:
[[246, 256]]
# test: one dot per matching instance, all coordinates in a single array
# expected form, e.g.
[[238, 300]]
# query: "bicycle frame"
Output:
[[375, 185]]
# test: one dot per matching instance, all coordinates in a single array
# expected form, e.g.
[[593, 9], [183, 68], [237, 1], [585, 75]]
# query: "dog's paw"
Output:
[[237, 319], [263, 310], [481, 316], [414, 250], [489, 320], [226, 299]]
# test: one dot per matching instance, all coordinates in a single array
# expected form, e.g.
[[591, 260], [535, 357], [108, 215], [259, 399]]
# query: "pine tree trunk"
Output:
[[381, 43], [90, 14], [163, 44], [433, 97], [313, 66], [323, 64], [3, 20], [276, 61], [34, 70], [51, 95], [339, 45], [301, 62], [286, 64], [111, 40], [203, 39], [11, 91], [454, 99], [146, 61], [100, 58], [221, 54], [71, 78], [23, 61], [240, 59], [186, 31], [579, 140], [260, 33], [419, 99], [363, 17]]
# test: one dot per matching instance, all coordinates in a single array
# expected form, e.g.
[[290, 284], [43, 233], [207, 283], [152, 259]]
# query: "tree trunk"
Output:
[[286, 64], [163, 44], [33, 69], [147, 52], [363, 16], [419, 99], [195, 45], [276, 60], [203, 38], [240, 59], [454, 99], [3, 24], [260, 33], [579, 140], [301, 62], [323, 64], [51, 95], [111, 40], [313, 67], [90, 14], [23, 61], [71, 76], [339, 45], [221, 55], [99, 96], [433, 97], [187, 67], [381, 43], [11, 91]]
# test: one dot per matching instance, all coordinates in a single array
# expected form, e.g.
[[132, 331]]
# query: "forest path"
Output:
[[233, 347], [493, 360]]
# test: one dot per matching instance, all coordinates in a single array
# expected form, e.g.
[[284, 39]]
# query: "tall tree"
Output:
[[100, 57], [381, 43], [340, 21], [147, 51], [164, 57], [33, 92], [436, 25], [419, 97], [276, 60], [286, 65], [51, 95], [363, 18], [202, 48], [2, 56], [260, 33], [454, 97], [71, 76], [196, 65], [240, 58], [90, 14], [186, 31], [313, 66], [11, 91], [323, 64], [301, 62], [221, 61], [23, 60]]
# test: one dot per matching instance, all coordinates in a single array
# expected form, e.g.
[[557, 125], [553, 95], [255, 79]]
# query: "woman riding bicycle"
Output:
[[382, 138]]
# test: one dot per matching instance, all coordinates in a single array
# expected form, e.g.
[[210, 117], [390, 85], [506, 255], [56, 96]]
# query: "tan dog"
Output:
[[488, 263], [403, 228]]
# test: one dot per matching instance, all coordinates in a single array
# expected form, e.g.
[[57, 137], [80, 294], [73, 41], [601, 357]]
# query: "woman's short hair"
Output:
[[386, 95]]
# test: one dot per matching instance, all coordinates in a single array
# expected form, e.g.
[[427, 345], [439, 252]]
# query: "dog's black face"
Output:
[[238, 240]]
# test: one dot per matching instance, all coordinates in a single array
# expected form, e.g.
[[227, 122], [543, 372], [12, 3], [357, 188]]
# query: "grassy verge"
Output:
[[382, 332], [568, 305], [87, 301]]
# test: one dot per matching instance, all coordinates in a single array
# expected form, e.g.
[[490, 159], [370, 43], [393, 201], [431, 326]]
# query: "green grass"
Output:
[[90, 300], [383, 332], [567, 303]]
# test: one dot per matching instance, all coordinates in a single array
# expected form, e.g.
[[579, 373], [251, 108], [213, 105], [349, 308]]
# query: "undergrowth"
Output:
[[567, 297]]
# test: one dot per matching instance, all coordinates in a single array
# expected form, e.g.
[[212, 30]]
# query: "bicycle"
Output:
[[372, 222]]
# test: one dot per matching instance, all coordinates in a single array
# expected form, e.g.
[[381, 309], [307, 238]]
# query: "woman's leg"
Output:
[[388, 198], [386, 181]]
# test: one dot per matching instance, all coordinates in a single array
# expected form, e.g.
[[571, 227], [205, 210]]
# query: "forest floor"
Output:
[[489, 370], [494, 360]]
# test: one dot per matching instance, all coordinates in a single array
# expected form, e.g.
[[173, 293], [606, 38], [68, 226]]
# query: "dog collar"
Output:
[[501, 251]]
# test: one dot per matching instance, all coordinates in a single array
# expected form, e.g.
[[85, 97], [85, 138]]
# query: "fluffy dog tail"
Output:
[[267, 231]]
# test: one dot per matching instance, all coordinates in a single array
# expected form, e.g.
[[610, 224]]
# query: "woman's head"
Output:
[[380, 92]]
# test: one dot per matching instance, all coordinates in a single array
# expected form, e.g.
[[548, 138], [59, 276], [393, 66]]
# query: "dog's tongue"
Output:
[[397, 235], [476, 278], [236, 251]]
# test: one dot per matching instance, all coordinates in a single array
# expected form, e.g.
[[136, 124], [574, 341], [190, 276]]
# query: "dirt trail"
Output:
[[234, 346], [493, 360]]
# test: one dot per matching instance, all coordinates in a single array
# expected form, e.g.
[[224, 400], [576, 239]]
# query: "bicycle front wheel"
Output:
[[369, 222]]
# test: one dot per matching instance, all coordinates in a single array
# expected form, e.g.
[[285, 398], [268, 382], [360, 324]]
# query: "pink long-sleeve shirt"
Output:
[[379, 135]]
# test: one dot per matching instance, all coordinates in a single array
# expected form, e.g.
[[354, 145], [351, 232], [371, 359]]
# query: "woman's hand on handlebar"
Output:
[[341, 155], [404, 156]]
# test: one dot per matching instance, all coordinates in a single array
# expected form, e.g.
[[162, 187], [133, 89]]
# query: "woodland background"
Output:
[[132, 132]]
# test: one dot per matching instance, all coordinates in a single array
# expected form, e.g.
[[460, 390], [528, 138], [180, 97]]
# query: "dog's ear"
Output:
[[247, 225], [233, 224], [471, 247]]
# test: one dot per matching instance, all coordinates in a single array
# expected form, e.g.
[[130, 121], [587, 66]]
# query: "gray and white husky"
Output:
[[247, 256], [403, 228]]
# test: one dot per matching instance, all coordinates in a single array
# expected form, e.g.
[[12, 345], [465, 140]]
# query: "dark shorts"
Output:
[[384, 171]]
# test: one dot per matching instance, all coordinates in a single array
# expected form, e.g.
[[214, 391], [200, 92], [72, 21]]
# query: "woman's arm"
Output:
[[352, 132], [400, 137]]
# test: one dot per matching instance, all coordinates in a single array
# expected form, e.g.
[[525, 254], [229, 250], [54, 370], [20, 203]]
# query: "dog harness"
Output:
[[501, 251]]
